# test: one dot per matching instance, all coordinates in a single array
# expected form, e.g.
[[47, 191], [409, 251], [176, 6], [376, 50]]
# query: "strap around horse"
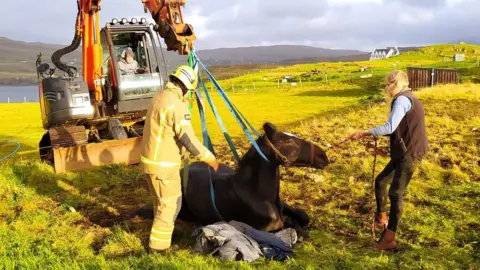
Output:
[[269, 143]]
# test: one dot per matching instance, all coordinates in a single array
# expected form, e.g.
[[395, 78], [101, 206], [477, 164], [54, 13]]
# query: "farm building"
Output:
[[384, 53]]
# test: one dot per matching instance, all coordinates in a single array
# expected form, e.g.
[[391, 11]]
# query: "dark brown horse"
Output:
[[250, 193]]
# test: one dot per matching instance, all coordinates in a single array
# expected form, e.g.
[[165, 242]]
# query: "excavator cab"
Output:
[[130, 86]]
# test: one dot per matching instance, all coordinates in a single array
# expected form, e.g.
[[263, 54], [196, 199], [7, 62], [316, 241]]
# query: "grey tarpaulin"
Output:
[[223, 240], [276, 246], [238, 241]]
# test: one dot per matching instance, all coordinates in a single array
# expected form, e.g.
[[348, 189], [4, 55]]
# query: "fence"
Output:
[[18, 100], [428, 77]]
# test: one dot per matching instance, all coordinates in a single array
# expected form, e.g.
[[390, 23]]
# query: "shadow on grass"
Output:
[[107, 197]]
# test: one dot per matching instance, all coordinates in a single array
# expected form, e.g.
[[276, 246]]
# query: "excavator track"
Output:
[[68, 136]]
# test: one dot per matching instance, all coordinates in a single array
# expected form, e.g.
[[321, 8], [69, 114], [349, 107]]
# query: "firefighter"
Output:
[[408, 146], [168, 132]]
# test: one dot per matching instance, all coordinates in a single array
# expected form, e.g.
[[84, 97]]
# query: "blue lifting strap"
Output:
[[220, 122], [206, 138], [231, 107]]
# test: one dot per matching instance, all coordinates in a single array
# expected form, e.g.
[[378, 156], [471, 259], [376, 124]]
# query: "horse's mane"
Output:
[[251, 153]]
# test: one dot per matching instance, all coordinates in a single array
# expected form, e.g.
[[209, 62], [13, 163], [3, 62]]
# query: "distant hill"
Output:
[[17, 58], [346, 58], [268, 54], [12, 51]]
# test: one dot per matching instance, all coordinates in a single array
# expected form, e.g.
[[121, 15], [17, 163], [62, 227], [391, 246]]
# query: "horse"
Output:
[[250, 193]]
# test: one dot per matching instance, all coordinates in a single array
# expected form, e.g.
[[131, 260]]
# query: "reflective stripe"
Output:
[[159, 240], [159, 140], [161, 164]]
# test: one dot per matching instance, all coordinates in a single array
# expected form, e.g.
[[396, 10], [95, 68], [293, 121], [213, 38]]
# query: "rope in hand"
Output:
[[334, 146], [375, 152]]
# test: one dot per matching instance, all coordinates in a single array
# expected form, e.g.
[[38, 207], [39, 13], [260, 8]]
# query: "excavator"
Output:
[[95, 116]]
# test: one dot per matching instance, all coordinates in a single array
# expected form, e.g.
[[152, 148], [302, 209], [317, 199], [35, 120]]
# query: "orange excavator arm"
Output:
[[88, 25], [167, 15]]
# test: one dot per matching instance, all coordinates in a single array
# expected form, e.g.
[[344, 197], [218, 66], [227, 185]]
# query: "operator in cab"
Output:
[[128, 64], [168, 132]]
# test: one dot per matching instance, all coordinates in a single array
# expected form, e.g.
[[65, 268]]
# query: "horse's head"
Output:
[[293, 151]]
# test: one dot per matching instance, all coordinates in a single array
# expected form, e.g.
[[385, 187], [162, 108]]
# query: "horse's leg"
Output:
[[296, 214], [297, 219]]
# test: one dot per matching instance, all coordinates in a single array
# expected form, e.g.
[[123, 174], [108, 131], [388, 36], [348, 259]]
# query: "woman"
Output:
[[408, 145]]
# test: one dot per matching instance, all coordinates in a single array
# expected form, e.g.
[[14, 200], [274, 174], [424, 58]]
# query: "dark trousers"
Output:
[[403, 170]]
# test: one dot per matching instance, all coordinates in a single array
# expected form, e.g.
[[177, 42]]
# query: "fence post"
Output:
[[8, 99], [24, 99], [301, 84], [433, 76], [278, 86], [254, 87]]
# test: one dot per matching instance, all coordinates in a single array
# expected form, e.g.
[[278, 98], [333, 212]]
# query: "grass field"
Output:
[[82, 220]]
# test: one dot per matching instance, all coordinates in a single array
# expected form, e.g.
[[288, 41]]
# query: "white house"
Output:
[[384, 53]]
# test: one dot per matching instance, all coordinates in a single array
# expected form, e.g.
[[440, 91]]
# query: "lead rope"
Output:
[[373, 185]]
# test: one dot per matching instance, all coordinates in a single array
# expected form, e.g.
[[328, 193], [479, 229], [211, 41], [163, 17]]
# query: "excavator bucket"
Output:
[[168, 17], [80, 157]]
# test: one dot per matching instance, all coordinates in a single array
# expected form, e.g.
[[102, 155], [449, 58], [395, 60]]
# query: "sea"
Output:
[[18, 94]]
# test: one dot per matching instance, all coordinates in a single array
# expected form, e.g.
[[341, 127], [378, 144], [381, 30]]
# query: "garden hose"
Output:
[[13, 152]]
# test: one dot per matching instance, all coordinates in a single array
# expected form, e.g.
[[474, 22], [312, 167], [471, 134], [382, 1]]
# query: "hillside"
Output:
[[17, 58], [314, 74], [82, 220]]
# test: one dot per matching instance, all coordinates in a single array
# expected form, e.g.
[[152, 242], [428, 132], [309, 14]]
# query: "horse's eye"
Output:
[[290, 142]]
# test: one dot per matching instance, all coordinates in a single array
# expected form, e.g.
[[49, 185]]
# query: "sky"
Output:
[[335, 24]]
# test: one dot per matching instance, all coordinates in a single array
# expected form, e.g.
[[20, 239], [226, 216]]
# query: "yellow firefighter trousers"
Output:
[[166, 190]]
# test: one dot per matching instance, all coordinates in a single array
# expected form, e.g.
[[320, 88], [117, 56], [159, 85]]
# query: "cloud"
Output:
[[352, 24], [416, 18]]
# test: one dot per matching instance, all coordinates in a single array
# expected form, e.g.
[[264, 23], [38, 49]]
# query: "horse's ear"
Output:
[[270, 129]]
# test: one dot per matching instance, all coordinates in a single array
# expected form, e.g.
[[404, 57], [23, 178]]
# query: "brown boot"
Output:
[[387, 241], [381, 220]]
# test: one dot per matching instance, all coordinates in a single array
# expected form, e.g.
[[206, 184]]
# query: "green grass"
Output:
[[83, 220]]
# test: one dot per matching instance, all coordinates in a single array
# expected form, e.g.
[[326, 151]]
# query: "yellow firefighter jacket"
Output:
[[167, 131]]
